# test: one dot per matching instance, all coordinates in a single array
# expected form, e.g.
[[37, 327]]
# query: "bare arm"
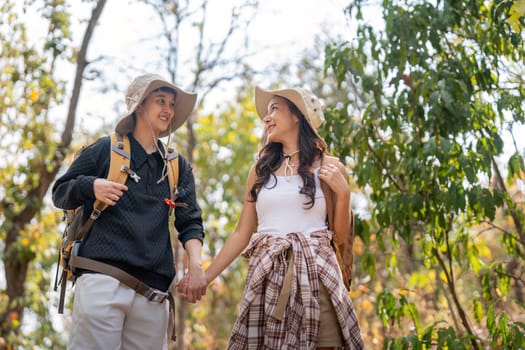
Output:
[[234, 245], [239, 238], [334, 174]]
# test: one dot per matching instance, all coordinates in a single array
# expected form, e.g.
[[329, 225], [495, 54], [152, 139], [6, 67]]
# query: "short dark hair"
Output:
[[166, 89]]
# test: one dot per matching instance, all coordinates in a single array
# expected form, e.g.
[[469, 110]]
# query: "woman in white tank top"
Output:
[[294, 296]]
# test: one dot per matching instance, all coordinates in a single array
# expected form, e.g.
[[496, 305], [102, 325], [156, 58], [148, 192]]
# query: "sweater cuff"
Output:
[[85, 184], [192, 235]]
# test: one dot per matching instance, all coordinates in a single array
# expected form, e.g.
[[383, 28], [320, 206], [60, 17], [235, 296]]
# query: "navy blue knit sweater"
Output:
[[132, 235]]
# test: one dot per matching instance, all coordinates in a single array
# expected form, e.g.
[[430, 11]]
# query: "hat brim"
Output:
[[263, 97], [184, 104]]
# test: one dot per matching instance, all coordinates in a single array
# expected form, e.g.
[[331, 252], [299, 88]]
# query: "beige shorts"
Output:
[[329, 330]]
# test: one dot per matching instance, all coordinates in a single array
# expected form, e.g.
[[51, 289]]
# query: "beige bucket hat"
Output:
[[140, 88], [309, 105]]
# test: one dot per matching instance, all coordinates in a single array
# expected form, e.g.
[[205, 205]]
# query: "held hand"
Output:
[[193, 285], [108, 192], [181, 285]]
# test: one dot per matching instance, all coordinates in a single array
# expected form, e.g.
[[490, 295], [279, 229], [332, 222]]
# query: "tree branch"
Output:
[[67, 134]]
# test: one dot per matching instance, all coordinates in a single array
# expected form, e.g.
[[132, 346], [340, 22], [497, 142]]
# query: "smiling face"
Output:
[[281, 124], [157, 110]]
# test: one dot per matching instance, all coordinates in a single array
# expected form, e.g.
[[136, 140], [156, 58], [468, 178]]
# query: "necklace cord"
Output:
[[288, 168]]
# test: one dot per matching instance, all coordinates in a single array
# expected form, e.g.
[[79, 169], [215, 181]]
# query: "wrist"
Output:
[[343, 195], [195, 265], [207, 277]]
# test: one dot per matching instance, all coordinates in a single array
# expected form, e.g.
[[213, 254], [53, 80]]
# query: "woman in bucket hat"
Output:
[[132, 235], [294, 296]]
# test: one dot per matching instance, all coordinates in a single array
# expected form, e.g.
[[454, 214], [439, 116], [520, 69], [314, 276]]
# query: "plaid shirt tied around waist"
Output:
[[259, 325]]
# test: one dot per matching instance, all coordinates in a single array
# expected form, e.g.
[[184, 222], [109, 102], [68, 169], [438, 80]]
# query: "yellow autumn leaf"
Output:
[[206, 120], [33, 96], [443, 276], [404, 291], [230, 137], [473, 80], [26, 144], [367, 306], [516, 12]]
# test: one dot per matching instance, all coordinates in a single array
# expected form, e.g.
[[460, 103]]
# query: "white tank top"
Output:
[[281, 209]]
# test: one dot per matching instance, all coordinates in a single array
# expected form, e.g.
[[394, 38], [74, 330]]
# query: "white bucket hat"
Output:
[[309, 105], [140, 88]]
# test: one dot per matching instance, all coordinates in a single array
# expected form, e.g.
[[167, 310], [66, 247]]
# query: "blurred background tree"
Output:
[[444, 88], [32, 150]]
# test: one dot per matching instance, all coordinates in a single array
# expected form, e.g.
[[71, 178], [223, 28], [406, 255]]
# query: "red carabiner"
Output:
[[169, 202]]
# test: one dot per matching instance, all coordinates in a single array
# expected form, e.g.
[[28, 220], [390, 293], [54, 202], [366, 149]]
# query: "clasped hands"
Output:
[[193, 285]]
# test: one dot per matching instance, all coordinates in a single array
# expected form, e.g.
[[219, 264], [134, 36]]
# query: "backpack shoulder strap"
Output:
[[119, 162], [120, 158], [172, 158]]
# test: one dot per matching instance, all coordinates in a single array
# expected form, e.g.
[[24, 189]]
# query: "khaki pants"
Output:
[[109, 315]]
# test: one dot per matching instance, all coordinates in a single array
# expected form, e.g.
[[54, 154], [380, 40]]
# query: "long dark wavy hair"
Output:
[[271, 157]]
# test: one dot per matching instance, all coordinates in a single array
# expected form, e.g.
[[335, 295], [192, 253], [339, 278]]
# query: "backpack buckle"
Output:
[[95, 214]]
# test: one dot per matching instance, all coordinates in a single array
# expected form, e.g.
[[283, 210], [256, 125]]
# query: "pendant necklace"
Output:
[[287, 166]]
